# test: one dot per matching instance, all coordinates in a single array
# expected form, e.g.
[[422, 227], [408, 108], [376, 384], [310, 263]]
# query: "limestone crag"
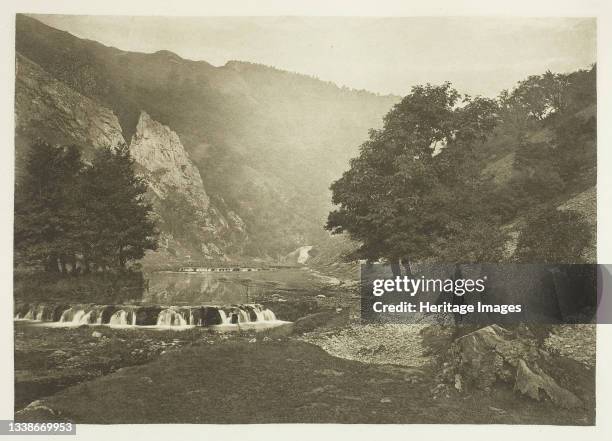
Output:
[[159, 151], [48, 108], [44, 105]]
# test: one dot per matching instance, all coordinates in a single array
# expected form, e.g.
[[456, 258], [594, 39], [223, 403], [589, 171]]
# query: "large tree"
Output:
[[119, 226], [414, 192], [46, 212], [66, 210]]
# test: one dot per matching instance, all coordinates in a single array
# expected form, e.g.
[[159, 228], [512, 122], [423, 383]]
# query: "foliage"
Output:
[[67, 211], [115, 209], [241, 123], [413, 189], [46, 213], [417, 190], [553, 236]]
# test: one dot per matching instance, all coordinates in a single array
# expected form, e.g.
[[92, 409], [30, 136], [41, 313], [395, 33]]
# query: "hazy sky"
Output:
[[385, 55]]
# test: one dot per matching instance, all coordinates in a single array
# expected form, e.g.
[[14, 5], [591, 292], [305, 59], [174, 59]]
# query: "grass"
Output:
[[48, 359], [282, 381]]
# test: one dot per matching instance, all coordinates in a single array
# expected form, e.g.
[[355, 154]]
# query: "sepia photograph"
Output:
[[283, 219]]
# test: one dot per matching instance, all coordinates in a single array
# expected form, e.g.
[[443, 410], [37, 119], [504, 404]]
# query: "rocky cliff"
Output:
[[48, 108], [266, 143], [159, 151]]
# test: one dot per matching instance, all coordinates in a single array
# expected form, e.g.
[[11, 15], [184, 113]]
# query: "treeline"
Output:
[[73, 216], [418, 189]]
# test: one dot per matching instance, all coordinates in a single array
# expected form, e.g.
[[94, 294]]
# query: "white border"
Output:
[[585, 8]]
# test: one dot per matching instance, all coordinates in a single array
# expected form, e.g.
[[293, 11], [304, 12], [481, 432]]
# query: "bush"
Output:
[[553, 236]]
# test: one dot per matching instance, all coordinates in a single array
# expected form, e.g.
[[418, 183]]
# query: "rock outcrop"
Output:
[[159, 151], [46, 106], [490, 355]]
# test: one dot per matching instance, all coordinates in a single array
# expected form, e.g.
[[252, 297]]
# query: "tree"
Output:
[[46, 212], [540, 95], [414, 188], [118, 223]]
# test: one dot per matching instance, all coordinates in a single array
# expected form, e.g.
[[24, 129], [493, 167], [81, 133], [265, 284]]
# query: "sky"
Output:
[[479, 55]]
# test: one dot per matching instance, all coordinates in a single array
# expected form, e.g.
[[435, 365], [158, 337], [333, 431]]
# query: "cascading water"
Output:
[[152, 316], [40, 313], [123, 317], [243, 316], [263, 314], [170, 317], [224, 318], [268, 315]]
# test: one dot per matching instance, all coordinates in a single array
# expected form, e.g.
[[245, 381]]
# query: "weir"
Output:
[[150, 316]]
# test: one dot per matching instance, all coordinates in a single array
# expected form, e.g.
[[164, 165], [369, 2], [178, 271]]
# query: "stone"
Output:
[[40, 99], [481, 358], [536, 383], [458, 385], [159, 150]]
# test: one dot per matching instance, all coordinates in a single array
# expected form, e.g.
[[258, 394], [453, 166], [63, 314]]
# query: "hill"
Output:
[[266, 143]]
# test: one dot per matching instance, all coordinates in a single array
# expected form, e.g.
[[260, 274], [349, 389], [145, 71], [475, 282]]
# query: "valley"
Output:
[[188, 242]]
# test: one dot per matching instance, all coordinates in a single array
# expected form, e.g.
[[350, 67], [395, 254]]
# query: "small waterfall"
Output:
[[123, 317], [29, 315], [40, 313], [77, 315], [268, 315], [263, 314], [67, 315], [195, 317], [224, 317], [170, 317], [243, 316], [260, 315], [86, 318], [72, 315]]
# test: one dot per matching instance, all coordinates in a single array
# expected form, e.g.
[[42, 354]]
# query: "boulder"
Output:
[[536, 383], [494, 354]]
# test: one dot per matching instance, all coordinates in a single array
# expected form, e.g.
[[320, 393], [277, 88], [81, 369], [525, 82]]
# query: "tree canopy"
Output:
[[417, 190], [406, 195], [67, 210]]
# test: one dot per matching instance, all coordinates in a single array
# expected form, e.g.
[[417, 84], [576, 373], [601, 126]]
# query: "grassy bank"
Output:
[[50, 359], [279, 381]]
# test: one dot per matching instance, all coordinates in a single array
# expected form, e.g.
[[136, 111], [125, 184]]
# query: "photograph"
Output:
[[323, 219]]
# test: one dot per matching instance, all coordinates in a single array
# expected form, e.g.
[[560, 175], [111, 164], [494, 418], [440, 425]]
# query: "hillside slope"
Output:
[[266, 143]]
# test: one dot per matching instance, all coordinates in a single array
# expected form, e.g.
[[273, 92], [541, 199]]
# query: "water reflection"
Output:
[[165, 288]]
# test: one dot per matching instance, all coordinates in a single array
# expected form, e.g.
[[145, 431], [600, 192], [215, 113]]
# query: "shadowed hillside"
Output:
[[266, 143]]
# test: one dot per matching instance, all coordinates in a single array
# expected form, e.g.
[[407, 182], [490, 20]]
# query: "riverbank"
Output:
[[324, 367], [48, 359], [278, 381]]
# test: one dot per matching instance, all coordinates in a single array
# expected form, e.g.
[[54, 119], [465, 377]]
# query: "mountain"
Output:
[[239, 158]]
